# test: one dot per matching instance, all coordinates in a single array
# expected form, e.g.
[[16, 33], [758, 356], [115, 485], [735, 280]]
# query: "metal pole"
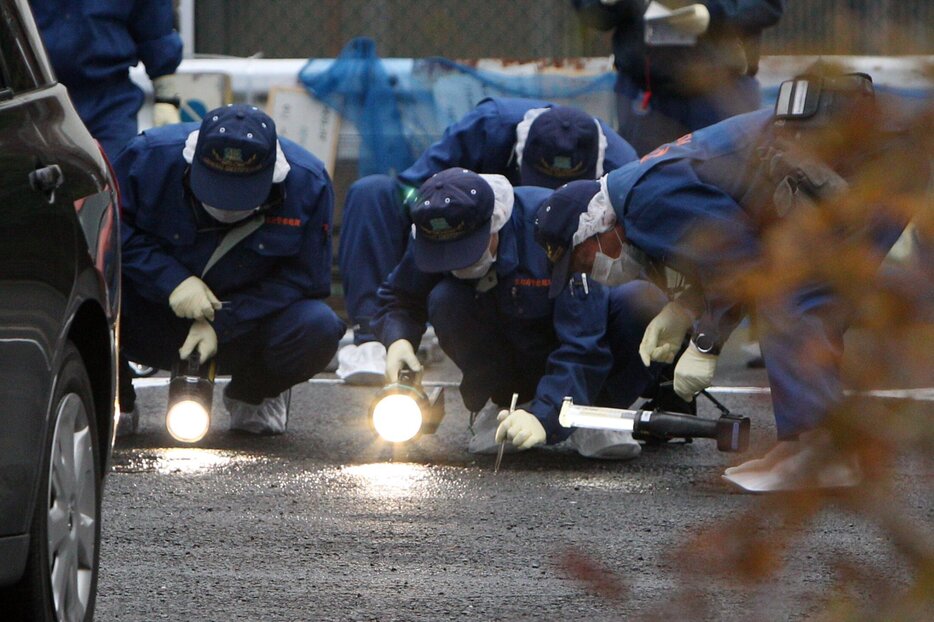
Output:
[[186, 26]]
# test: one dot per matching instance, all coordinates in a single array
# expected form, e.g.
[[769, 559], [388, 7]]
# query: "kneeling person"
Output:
[[226, 251], [474, 271]]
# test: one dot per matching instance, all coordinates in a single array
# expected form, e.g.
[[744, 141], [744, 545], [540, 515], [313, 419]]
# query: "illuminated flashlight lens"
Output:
[[187, 421], [397, 418]]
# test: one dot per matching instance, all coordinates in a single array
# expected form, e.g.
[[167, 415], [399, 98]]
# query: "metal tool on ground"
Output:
[[403, 411], [191, 393], [730, 431], [502, 443]]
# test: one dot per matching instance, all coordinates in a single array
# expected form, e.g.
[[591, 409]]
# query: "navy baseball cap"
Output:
[[557, 221], [234, 158], [452, 220], [563, 145]]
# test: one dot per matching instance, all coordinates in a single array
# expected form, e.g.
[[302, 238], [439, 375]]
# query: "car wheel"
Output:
[[60, 582]]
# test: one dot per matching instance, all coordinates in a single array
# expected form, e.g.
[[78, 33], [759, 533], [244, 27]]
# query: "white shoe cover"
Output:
[[806, 464], [484, 426], [364, 364], [604, 444], [128, 423], [268, 418]]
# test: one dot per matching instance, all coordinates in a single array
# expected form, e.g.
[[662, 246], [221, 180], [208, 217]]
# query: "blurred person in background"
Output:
[[713, 206], [93, 43], [227, 252], [530, 142], [473, 269], [686, 71]]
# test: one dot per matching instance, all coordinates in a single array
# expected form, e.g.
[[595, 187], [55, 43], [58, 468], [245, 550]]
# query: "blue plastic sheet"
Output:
[[399, 115], [400, 112]]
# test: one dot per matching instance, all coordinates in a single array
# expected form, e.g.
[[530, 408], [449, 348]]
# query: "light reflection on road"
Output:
[[180, 460], [391, 479]]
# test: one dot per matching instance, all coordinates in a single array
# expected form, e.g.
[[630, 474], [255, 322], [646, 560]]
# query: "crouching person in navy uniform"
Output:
[[227, 252], [474, 271], [706, 205], [530, 142]]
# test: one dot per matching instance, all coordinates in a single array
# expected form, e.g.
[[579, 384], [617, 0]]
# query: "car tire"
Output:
[[60, 580]]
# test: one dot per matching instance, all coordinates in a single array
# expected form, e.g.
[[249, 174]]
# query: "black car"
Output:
[[59, 303]]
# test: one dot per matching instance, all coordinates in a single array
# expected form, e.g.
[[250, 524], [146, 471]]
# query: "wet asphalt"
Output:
[[327, 523]]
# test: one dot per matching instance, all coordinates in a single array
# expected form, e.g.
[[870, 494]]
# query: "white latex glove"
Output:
[[194, 300], [400, 353], [694, 372], [665, 333], [694, 22], [521, 428], [165, 114], [200, 336]]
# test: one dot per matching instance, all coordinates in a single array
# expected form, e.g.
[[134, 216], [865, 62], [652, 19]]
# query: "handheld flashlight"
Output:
[[402, 410], [191, 392], [730, 431]]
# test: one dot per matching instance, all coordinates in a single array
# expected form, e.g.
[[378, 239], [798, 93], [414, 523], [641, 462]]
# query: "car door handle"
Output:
[[47, 180]]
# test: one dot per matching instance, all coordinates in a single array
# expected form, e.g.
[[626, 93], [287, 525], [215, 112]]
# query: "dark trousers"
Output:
[[667, 116], [109, 111], [279, 351], [374, 234], [500, 355]]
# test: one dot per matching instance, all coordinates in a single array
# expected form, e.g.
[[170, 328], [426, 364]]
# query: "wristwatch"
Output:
[[706, 344]]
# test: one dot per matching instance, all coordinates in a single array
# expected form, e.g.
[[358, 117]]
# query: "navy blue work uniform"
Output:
[[513, 338], [274, 329], [666, 91], [93, 43], [375, 221], [712, 181]]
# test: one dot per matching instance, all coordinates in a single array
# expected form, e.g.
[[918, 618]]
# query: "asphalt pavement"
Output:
[[327, 523]]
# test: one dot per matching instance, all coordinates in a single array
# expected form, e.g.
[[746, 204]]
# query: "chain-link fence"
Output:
[[525, 29]]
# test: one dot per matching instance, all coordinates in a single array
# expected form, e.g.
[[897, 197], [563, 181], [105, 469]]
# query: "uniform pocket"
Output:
[[276, 240]]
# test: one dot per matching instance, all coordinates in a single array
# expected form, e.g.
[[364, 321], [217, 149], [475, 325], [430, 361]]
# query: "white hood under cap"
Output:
[[599, 217], [522, 137], [279, 173], [503, 200], [522, 130]]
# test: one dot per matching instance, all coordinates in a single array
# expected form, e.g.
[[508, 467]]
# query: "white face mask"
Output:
[[477, 269], [612, 272], [228, 216]]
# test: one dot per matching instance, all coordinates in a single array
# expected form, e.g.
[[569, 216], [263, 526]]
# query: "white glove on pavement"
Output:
[[164, 113], [521, 428], [694, 372], [194, 300], [200, 336], [400, 353], [665, 333]]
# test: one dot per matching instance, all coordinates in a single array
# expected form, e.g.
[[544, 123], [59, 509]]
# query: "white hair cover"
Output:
[[522, 137], [599, 217], [503, 200], [279, 172]]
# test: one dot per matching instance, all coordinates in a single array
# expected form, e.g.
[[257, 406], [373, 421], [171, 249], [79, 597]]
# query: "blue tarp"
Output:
[[398, 114]]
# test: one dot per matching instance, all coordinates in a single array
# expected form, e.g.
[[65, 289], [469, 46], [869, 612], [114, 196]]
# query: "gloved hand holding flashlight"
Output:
[[521, 428], [202, 337], [665, 333], [694, 372], [193, 300], [399, 354]]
